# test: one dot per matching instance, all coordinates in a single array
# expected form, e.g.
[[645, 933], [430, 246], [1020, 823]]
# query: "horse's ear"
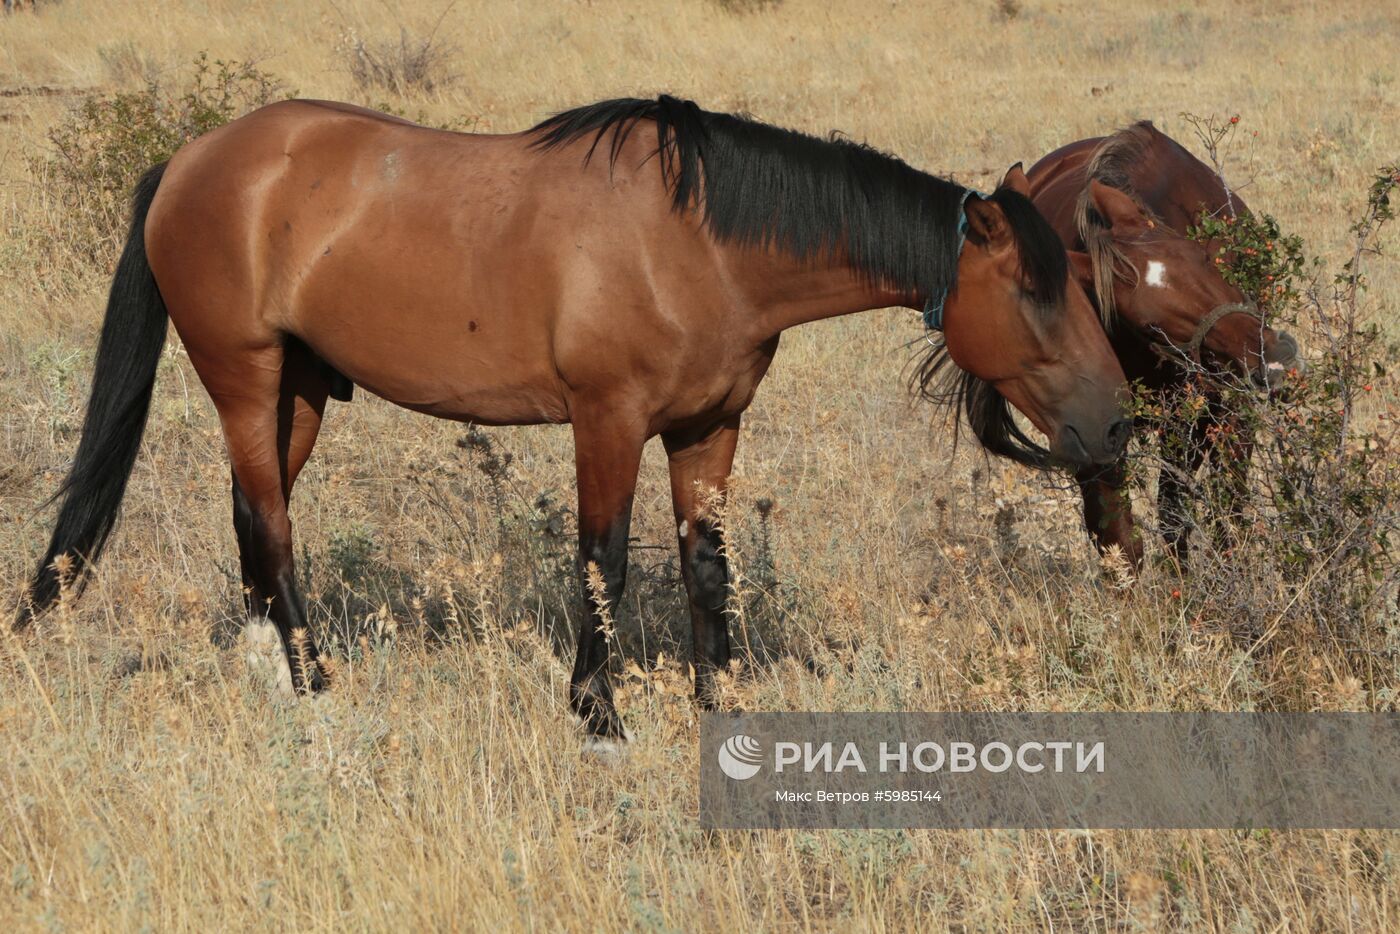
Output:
[[985, 222], [1016, 180], [1082, 268], [1115, 207]]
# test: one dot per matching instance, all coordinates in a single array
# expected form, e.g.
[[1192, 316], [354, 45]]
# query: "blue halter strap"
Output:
[[933, 307]]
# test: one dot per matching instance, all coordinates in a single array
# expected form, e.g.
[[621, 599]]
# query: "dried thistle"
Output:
[[1118, 568], [598, 594], [300, 646]]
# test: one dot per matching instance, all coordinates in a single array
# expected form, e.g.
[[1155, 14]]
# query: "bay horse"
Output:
[[1123, 205], [311, 247]]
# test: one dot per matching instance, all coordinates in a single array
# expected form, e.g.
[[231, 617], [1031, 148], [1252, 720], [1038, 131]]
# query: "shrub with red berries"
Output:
[[1255, 256], [1320, 508]]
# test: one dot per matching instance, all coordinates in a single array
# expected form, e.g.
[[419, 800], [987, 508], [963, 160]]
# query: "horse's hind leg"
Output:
[[265, 645], [1231, 450], [271, 407], [1174, 507]]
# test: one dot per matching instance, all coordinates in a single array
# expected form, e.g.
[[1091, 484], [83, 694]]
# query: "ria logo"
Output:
[[740, 757]]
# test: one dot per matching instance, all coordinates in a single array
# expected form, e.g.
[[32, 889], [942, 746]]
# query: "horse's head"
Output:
[[1169, 289], [1021, 325]]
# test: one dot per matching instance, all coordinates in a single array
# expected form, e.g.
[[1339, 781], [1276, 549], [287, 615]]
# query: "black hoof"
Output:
[[313, 681], [706, 699], [599, 716], [24, 618]]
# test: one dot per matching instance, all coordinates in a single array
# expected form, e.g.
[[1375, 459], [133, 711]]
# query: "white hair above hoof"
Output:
[[267, 658], [607, 748]]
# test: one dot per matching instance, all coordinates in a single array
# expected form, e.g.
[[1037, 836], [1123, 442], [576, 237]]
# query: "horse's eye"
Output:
[[1042, 303]]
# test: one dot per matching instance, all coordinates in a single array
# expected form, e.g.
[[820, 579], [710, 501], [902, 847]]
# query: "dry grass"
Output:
[[414, 62], [146, 779]]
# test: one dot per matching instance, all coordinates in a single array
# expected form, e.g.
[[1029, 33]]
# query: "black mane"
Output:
[[939, 380], [987, 412], [763, 185], [830, 200]]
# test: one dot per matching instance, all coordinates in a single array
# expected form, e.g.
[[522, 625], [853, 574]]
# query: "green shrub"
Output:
[[104, 144], [1312, 547]]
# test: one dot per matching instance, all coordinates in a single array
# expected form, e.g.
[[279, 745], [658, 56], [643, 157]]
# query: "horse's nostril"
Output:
[[1280, 360], [1118, 434], [1285, 350]]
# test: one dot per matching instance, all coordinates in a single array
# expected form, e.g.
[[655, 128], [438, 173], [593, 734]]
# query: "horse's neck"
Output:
[[1191, 184], [789, 293]]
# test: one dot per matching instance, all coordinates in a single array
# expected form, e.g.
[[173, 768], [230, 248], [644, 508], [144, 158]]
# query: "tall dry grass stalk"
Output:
[[149, 779]]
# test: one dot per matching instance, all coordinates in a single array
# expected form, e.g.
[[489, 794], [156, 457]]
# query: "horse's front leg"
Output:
[[1231, 449], [1108, 510], [1179, 465], [700, 463], [607, 453]]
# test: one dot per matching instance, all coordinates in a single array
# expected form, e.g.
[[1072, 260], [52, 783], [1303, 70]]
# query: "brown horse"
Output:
[[517, 279], [1125, 203]]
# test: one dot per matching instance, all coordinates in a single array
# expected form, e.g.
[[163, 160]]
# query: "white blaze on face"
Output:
[[1156, 273], [683, 528]]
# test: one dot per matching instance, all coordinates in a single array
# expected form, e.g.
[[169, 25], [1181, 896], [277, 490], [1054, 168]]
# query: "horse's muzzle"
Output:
[[1279, 360], [1072, 449]]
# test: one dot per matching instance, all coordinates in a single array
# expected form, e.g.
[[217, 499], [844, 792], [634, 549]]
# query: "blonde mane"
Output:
[[1110, 165]]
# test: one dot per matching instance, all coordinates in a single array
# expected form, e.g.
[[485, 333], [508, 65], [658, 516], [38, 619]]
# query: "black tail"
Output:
[[133, 335]]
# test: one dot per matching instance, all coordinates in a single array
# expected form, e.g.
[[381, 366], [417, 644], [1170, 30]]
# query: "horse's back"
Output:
[[1056, 181], [468, 276], [404, 256], [1181, 186], [1062, 161]]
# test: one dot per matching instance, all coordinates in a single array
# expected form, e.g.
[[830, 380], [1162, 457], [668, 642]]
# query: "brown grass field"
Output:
[[149, 780]]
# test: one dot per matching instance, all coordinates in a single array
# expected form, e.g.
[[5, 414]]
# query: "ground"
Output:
[[149, 780]]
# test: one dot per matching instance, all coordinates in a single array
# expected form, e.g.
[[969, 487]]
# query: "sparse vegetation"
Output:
[[411, 63], [1311, 549], [1006, 10], [104, 144], [126, 63], [148, 780], [741, 7]]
